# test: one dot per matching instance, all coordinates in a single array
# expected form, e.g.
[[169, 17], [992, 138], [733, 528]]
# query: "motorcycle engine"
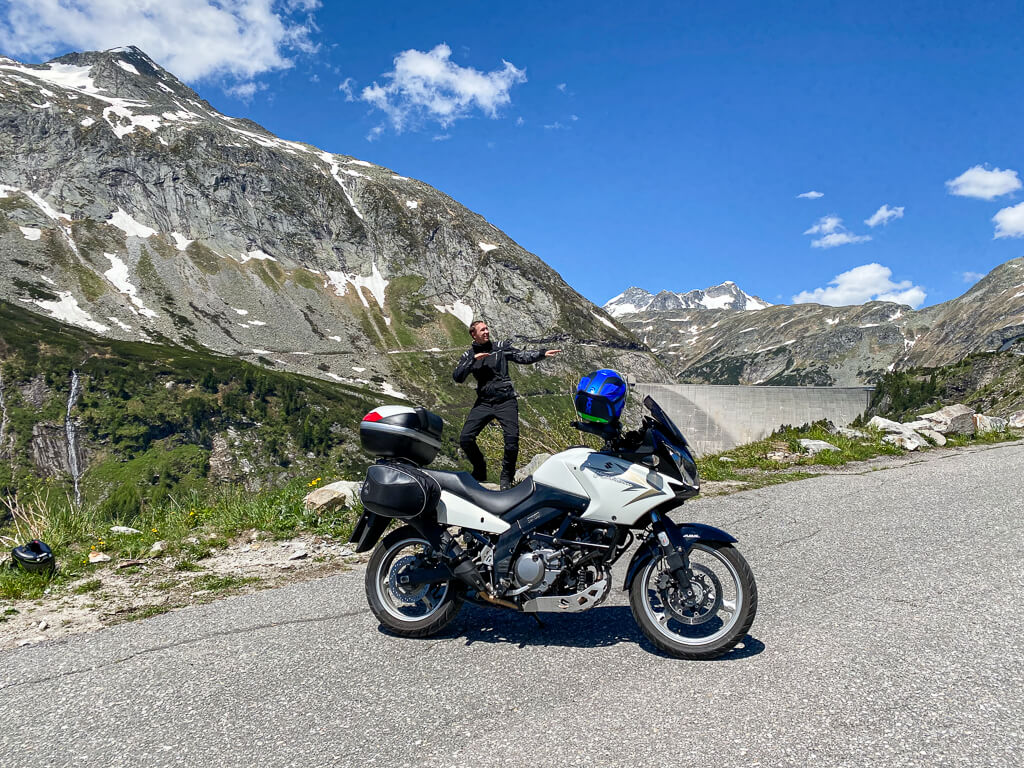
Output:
[[538, 569]]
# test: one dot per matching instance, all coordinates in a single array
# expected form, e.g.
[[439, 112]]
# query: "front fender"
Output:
[[681, 535]]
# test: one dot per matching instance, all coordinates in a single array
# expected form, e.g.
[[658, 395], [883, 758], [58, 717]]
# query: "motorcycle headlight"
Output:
[[686, 465]]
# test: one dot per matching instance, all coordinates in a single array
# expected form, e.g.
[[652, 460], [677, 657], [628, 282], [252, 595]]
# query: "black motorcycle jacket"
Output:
[[493, 384]]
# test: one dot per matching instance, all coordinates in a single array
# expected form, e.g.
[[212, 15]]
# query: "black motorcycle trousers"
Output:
[[482, 414]]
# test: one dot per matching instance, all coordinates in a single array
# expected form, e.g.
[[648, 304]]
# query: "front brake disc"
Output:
[[696, 604]]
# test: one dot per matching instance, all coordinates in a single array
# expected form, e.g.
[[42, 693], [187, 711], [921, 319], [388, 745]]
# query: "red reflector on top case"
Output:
[[372, 416]]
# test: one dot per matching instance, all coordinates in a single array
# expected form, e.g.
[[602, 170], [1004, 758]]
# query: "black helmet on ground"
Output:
[[34, 557]]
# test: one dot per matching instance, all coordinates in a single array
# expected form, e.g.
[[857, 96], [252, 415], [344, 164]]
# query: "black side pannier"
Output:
[[399, 490]]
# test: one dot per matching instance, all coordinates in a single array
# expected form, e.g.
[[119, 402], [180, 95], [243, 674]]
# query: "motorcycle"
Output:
[[549, 543]]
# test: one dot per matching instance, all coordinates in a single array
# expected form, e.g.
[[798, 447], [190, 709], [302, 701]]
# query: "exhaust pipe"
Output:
[[498, 601], [464, 570]]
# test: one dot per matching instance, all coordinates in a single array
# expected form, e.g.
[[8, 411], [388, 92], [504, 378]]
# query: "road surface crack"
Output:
[[177, 644], [810, 535]]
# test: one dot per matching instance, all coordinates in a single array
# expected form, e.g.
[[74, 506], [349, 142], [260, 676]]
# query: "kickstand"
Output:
[[537, 619]]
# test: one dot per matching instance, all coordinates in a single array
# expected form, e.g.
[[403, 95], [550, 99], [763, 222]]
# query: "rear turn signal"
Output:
[[372, 416]]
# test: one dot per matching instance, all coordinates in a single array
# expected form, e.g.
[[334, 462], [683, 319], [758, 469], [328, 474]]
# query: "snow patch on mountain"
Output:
[[462, 311], [118, 277], [66, 310], [375, 283], [130, 226], [728, 295], [180, 241]]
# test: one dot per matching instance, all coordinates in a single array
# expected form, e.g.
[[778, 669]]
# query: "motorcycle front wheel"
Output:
[[410, 611], [708, 618]]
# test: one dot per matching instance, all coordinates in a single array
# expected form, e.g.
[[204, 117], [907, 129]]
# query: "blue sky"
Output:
[[662, 145]]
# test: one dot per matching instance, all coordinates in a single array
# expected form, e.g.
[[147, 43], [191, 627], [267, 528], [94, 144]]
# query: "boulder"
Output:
[[342, 493], [530, 468], [816, 446], [902, 435], [1016, 420], [984, 423], [936, 437], [953, 419], [918, 425], [887, 426], [909, 440], [851, 433], [123, 529]]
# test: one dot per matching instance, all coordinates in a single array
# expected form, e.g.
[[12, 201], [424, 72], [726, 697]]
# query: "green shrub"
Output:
[[123, 505]]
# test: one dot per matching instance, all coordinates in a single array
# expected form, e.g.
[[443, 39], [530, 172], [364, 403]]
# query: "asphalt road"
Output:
[[888, 634]]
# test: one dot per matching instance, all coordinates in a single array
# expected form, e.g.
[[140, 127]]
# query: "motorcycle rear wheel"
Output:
[[708, 620], [417, 611]]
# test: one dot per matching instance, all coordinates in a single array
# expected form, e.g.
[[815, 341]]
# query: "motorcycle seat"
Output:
[[496, 502]]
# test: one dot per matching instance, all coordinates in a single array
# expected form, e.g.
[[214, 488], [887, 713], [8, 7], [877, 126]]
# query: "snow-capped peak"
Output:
[[727, 295]]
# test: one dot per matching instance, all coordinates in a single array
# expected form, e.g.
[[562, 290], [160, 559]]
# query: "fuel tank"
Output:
[[619, 491]]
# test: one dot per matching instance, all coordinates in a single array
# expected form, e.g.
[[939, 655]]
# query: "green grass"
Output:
[[20, 585], [85, 588], [753, 457], [145, 612], [191, 527]]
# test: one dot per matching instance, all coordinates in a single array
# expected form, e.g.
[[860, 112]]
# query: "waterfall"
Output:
[[69, 428], [4, 420]]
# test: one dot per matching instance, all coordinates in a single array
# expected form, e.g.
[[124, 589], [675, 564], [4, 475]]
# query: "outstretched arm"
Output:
[[528, 356], [464, 366]]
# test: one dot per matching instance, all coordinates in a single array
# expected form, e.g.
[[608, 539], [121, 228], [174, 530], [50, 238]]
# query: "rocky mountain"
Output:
[[130, 207], [989, 317], [728, 295], [811, 344]]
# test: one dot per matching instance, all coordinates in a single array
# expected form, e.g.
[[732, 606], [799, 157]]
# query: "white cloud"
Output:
[[835, 239], [825, 225], [812, 195], [972, 277], [884, 215], [345, 86], [1010, 221], [245, 91], [428, 85], [869, 282], [194, 39], [519, 121], [983, 183], [561, 87], [833, 233]]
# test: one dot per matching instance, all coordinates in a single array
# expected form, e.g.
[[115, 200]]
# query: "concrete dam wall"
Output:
[[715, 418]]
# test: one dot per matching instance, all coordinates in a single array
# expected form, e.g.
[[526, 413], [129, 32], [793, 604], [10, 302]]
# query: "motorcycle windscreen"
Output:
[[671, 430]]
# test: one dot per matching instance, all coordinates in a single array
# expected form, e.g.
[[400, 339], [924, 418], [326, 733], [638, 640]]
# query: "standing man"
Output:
[[495, 397]]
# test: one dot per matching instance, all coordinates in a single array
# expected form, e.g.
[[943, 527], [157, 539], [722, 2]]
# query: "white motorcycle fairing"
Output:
[[455, 510], [618, 490]]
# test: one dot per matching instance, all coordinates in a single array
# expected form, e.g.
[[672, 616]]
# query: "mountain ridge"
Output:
[[814, 344], [725, 295], [132, 207]]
